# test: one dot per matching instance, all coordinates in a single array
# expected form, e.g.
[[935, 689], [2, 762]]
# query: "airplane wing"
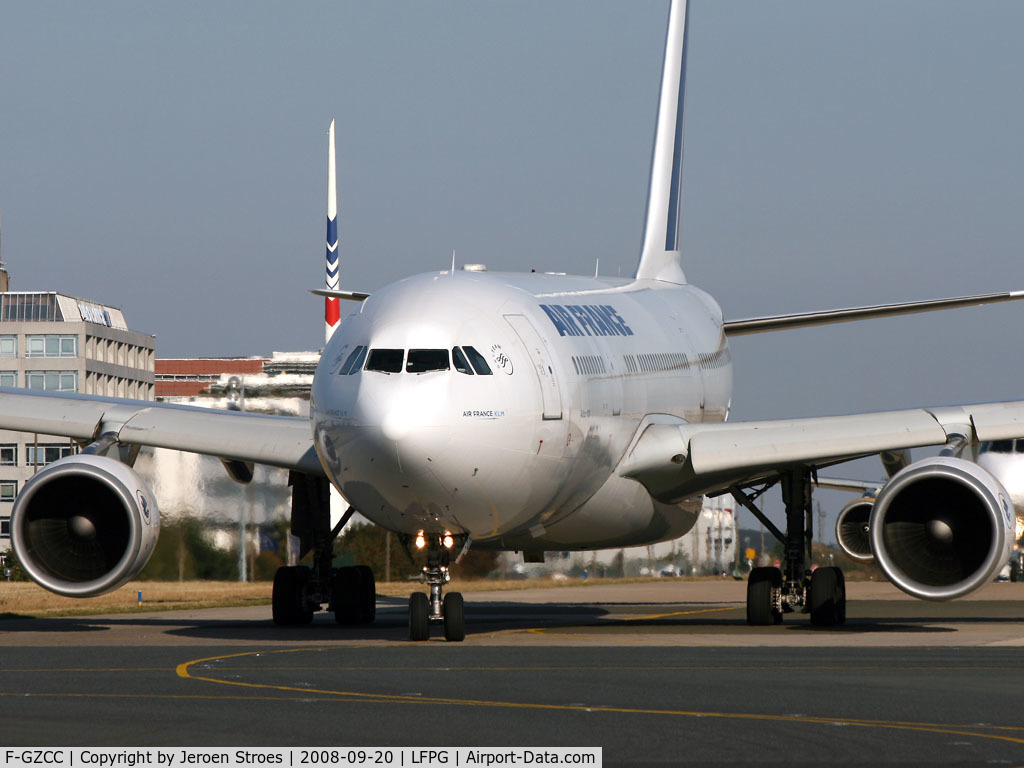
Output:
[[279, 441], [830, 316], [802, 319], [677, 461], [853, 486]]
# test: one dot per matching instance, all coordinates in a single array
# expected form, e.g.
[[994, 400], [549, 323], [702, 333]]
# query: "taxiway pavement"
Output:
[[660, 673]]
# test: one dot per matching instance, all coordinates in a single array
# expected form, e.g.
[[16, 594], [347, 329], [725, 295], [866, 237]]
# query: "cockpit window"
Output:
[[385, 360], [354, 361], [460, 363], [479, 364], [425, 360]]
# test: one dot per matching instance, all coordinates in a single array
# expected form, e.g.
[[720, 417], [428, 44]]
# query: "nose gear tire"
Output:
[[419, 617], [454, 618]]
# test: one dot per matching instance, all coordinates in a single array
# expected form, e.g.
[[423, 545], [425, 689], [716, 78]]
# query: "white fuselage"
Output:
[[1005, 460], [525, 457]]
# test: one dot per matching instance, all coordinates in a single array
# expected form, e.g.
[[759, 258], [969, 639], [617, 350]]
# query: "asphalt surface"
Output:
[[655, 674]]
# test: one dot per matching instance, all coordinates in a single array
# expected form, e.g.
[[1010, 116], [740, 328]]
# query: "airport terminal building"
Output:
[[53, 342]]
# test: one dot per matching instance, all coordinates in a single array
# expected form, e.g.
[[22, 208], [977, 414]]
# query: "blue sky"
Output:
[[170, 159]]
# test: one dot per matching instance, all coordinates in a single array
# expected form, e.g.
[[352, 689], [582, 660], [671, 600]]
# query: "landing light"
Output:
[[448, 540], [421, 542]]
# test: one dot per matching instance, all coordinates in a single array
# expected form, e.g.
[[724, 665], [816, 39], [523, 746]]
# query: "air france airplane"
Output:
[[470, 409]]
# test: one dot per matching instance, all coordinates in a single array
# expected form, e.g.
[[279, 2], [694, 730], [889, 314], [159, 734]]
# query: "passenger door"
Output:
[[540, 359]]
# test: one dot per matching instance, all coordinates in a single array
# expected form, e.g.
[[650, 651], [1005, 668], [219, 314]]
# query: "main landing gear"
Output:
[[299, 591], [349, 592], [771, 592], [424, 610]]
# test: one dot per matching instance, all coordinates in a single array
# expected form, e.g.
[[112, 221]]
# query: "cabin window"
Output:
[[460, 363], [385, 360], [426, 360], [479, 364]]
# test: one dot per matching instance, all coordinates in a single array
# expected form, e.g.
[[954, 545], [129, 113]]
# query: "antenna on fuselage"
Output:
[[453, 261], [659, 255]]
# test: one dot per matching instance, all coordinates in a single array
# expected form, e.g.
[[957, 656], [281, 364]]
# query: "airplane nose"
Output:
[[400, 405], [391, 421], [400, 418]]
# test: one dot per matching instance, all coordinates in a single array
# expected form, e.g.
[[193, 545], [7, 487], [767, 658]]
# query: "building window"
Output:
[[8, 490], [8, 345], [47, 454], [51, 345], [8, 378], [30, 307], [5, 527], [8, 455], [56, 381]]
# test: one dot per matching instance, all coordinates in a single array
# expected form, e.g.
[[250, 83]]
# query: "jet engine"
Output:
[[852, 530], [941, 528], [84, 525]]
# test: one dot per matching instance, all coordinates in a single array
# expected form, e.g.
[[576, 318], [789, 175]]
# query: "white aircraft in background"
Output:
[[531, 412]]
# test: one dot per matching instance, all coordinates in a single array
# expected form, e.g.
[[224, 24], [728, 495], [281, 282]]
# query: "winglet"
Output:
[[660, 256], [332, 309]]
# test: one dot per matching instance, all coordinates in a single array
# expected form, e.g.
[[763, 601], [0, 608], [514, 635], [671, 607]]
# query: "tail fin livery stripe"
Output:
[[332, 237], [332, 278], [332, 313], [676, 180]]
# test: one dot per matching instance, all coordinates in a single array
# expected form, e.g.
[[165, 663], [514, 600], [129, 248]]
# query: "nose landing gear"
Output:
[[424, 611]]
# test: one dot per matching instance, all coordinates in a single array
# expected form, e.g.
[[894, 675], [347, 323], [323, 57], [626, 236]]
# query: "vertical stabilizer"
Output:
[[660, 257], [332, 308]]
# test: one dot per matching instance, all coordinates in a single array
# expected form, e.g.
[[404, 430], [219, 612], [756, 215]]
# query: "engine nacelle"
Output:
[[941, 528], [84, 525], [852, 530]]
